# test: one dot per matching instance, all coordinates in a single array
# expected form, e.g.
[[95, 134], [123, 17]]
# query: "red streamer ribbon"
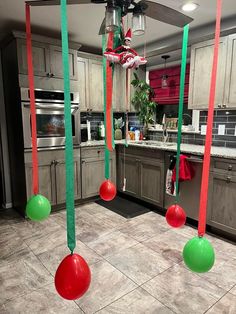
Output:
[[32, 101], [207, 153], [109, 97]]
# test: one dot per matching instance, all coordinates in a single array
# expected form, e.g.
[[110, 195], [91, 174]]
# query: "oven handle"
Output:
[[58, 107]]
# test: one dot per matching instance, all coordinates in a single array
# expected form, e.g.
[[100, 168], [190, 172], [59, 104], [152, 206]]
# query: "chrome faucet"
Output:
[[164, 125]]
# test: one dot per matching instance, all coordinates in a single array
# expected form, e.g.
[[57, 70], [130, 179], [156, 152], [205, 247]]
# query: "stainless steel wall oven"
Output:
[[49, 118]]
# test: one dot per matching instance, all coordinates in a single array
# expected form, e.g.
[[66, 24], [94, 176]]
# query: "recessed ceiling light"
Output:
[[190, 6]]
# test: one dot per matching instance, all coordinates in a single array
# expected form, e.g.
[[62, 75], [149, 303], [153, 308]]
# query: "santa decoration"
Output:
[[125, 55]]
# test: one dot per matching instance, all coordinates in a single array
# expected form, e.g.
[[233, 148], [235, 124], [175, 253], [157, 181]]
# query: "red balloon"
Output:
[[72, 278], [175, 216], [107, 190]]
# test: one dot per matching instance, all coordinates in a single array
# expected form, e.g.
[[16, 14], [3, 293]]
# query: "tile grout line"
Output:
[[216, 302]]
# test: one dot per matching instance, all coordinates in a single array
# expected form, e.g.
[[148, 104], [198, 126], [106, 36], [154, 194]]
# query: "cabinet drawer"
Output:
[[219, 165], [94, 152], [139, 152]]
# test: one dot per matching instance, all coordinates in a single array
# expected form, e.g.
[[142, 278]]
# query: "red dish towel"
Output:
[[186, 171]]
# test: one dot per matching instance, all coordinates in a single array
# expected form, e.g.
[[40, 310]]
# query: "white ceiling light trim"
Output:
[[189, 7]]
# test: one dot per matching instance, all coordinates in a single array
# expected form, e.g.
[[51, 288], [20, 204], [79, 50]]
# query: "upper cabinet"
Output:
[[90, 78], [83, 82], [96, 84], [56, 62], [200, 74], [41, 57], [230, 80], [47, 60]]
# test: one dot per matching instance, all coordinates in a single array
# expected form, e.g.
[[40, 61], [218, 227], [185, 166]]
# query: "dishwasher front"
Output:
[[189, 190]]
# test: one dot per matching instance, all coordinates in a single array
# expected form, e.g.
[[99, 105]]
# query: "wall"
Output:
[[228, 118]]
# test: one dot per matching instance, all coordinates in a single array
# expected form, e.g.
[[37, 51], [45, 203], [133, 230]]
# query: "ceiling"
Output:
[[84, 20]]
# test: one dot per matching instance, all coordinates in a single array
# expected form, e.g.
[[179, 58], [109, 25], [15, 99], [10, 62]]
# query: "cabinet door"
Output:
[[222, 202], [141, 72], [40, 52], [60, 176], [200, 74], [128, 167], [230, 81], [46, 180], [95, 85], [56, 62], [83, 83], [119, 89], [152, 181], [93, 175]]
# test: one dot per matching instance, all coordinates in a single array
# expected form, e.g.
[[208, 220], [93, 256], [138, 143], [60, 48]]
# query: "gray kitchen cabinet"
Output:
[[230, 78], [83, 82], [90, 76], [96, 84], [41, 57], [222, 213], [200, 74], [56, 62], [51, 168], [151, 180], [46, 180], [119, 89], [128, 167], [92, 170], [222, 196], [60, 180], [47, 60], [144, 173]]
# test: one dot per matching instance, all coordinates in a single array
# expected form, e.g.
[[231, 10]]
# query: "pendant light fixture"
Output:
[[138, 23], [112, 18], [164, 79]]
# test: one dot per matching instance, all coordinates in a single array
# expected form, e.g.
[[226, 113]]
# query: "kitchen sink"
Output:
[[154, 143]]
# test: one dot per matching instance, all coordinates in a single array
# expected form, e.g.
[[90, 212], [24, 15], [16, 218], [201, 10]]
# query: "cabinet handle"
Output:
[[224, 105], [53, 162], [228, 179], [48, 75], [230, 167], [51, 75], [83, 161], [99, 151], [219, 106]]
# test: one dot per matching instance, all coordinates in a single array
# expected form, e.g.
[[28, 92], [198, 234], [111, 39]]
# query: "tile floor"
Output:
[[136, 266]]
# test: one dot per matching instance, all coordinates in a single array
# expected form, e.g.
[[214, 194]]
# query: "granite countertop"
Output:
[[222, 152]]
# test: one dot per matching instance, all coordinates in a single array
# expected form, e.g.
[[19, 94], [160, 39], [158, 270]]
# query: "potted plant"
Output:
[[142, 101], [118, 125]]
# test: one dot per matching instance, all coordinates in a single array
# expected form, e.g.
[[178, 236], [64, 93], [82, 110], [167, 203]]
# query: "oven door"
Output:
[[50, 124]]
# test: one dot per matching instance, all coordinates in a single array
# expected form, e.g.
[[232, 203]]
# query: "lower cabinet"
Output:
[[92, 170], [52, 176], [144, 173], [151, 181], [222, 213], [128, 168]]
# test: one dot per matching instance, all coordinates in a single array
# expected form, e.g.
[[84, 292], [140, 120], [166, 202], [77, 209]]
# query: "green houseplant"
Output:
[[142, 101]]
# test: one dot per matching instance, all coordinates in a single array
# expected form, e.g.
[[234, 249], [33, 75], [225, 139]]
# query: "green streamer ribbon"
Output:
[[70, 207], [181, 104], [107, 152]]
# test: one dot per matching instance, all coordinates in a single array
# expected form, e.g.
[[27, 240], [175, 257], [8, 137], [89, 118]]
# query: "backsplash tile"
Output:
[[226, 117]]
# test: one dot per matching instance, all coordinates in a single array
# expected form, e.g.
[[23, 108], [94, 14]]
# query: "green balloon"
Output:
[[199, 255], [38, 208]]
